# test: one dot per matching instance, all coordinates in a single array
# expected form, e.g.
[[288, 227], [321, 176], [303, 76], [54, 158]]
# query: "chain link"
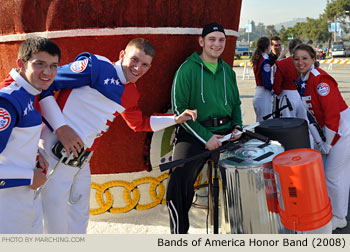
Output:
[[131, 194]]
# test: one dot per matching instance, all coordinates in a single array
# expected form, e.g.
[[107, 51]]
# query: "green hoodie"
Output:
[[213, 95]]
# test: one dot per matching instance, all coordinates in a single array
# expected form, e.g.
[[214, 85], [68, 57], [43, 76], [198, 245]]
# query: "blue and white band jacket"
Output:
[[20, 127]]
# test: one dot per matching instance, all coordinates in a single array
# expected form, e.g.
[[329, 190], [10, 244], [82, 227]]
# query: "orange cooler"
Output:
[[303, 199]]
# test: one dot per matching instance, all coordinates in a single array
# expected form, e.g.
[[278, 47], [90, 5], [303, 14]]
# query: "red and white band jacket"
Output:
[[324, 100]]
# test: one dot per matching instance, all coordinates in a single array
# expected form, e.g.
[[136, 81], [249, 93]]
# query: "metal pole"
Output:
[[335, 28], [248, 42]]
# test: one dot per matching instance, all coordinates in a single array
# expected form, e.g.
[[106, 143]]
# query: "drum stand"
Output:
[[276, 111], [213, 180], [212, 205], [213, 184], [213, 191]]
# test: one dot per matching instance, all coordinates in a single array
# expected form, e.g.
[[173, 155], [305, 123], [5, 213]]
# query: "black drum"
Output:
[[292, 133]]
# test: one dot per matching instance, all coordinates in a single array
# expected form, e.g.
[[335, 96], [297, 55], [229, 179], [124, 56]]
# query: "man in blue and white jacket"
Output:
[[93, 91], [20, 127]]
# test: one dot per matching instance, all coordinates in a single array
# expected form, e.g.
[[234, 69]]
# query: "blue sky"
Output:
[[277, 11]]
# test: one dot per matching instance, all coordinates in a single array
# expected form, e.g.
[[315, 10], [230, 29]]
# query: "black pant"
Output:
[[180, 190]]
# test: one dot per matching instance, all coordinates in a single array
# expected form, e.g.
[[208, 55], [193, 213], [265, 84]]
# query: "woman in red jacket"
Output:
[[320, 91], [263, 73]]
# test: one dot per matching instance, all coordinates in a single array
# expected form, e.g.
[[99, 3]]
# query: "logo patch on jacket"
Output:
[[5, 119], [267, 68], [79, 66], [323, 89]]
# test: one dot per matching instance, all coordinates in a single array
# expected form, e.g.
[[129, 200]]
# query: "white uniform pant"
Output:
[[19, 212], [262, 103], [60, 216], [337, 172]]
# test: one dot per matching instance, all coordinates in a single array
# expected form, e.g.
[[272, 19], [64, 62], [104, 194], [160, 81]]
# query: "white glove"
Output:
[[316, 136], [324, 147]]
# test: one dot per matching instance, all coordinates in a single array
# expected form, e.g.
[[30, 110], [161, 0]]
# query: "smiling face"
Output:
[[213, 45], [303, 61], [135, 63], [40, 70]]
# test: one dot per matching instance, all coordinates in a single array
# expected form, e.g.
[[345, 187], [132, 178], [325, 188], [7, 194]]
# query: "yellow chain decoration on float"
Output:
[[129, 189], [155, 183], [104, 206], [131, 194]]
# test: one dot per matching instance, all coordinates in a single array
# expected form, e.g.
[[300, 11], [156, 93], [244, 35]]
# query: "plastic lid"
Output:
[[253, 152], [296, 157]]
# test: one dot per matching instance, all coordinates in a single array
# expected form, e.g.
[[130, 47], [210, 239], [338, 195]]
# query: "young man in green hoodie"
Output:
[[206, 83]]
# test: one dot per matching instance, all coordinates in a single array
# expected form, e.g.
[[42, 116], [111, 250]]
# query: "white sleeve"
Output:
[[52, 112], [16, 173], [273, 71], [330, 135], [161, 122]]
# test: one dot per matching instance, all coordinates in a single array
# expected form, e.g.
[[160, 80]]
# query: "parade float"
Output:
[[104, 28]]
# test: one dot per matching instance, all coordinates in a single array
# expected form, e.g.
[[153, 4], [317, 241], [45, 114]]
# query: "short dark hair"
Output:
[[37, 44], [142, 44], [275, 38], [293, 43]]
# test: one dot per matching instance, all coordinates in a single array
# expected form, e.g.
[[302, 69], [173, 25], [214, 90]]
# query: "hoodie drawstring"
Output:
[[225, 85], [202, 89]]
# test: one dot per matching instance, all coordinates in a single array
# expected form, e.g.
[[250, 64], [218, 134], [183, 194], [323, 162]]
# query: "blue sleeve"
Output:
[[8, 119], [266, 68], [73, 75]]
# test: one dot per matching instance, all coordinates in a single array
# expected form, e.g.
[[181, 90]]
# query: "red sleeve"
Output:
[[135, 119], [8, 80], [133, 115], [277, 81], [330, 100]]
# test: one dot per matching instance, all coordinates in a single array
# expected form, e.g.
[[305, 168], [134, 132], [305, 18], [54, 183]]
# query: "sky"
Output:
[[278, 11]]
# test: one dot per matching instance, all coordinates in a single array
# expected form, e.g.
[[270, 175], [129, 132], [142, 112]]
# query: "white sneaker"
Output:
[[338, 222]]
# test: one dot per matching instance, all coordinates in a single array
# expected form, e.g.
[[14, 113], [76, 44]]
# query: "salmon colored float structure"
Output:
[[104, 28]]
